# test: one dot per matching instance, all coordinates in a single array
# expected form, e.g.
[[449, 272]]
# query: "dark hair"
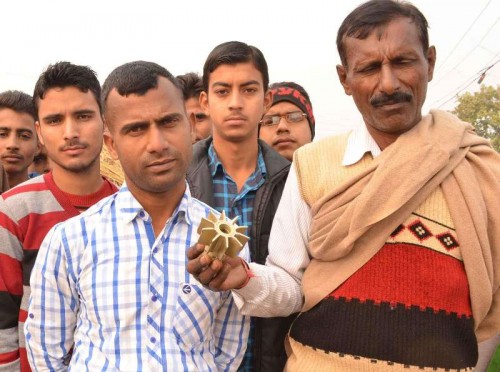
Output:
[[18, 101], [231, 53], [191, 84], [375, 13], [66, 74], [135, 78], [291, 84]]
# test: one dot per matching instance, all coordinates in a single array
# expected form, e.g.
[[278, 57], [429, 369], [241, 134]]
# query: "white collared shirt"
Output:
[[276, 288], [359, 143]]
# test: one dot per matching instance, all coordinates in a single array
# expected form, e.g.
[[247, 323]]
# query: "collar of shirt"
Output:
[[359, 142], [130, 208], [214, 164]]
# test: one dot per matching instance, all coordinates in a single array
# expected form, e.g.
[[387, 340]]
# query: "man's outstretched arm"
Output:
[[270, 290]]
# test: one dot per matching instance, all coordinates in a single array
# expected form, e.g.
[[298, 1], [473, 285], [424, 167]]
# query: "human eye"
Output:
[[295, 117], [4, 133], [222, 92], [270, 120], [200, 117], [53, 120], [26, 136], [134, 129], [169, 121], [250, 90], [403, 61], [84, 116], [368, 68]]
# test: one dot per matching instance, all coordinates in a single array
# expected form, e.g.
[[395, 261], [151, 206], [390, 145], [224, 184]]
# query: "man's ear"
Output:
[[268, 100], [39, 133], [38, 146], [203, 100], [342, 73], [431, 60], [110, 144], [192, 125]]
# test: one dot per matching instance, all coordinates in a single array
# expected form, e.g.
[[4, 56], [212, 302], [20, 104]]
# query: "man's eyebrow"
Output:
[[24, 130], [250, 82], [134, 124], [227, 85], [52, 116], [5, 128], [170, 116], [221, 84], [84, 111]]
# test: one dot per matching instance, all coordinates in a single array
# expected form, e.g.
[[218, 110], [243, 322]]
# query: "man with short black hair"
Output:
[[70, 125], [192, 87], [18, 141], [236, 173], [113, 281], [387, 238]]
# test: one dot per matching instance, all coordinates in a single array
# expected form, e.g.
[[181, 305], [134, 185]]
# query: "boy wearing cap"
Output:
[[289, 123], [234, 172]]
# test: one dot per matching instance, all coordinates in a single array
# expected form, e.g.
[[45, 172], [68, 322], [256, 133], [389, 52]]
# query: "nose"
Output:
[[235, 102], [12, 142], [70, 129], [282, 125], [156, 140], [389, 82]]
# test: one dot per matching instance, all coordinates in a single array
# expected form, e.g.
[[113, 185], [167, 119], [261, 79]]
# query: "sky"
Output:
[[296, 37]]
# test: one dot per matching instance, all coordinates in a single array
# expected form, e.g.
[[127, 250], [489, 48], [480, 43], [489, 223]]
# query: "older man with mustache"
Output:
[[387, 239]]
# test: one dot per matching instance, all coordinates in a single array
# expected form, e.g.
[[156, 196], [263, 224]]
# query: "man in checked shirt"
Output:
[[113, 281]]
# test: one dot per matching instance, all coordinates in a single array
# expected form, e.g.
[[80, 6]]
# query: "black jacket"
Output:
[[269, 350]]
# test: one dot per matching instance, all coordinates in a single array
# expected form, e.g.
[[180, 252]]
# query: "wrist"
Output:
[[248, 272]]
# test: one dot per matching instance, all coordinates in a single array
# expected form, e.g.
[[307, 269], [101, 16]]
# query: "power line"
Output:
[[468, 54], [465, 34], [464, 85]]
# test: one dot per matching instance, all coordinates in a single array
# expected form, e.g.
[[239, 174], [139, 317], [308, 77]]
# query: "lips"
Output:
[[12, 158], [235, 119], [70, 148], [282, 141], [161, 165]]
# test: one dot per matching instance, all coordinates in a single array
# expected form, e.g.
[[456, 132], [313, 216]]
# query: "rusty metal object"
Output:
[[221, 236]]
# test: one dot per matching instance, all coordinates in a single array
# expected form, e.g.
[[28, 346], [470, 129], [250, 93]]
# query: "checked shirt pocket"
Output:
[[195, 315]]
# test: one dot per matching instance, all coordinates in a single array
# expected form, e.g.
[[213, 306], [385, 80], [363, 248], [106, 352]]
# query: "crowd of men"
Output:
[[374, 250]]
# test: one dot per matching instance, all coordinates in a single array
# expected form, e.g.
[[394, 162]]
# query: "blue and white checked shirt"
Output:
[[103, 283], [234, 203]]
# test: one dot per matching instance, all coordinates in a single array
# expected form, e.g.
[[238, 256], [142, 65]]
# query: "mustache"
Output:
[[73, 143], [12, 153], [384, 99]]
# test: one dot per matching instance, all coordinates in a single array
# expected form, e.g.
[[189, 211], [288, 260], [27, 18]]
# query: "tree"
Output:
[[482, 109]]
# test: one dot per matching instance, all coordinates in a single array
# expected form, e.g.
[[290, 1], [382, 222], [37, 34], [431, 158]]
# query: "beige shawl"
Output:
[[353, 221]]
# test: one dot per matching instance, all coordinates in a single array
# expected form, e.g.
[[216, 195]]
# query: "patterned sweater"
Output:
[[408, 308], [27, 213]]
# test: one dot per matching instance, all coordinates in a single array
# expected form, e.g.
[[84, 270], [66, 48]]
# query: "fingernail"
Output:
[[204, 260]]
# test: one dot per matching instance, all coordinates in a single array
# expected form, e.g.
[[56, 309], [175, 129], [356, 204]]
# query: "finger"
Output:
[[199, 264], [195, 251], [218, 281], [207, 275]]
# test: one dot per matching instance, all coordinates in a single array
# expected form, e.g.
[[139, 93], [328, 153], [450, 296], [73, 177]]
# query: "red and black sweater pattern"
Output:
[[409, 305]]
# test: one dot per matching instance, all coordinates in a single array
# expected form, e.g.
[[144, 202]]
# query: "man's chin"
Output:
[[78, 167]]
